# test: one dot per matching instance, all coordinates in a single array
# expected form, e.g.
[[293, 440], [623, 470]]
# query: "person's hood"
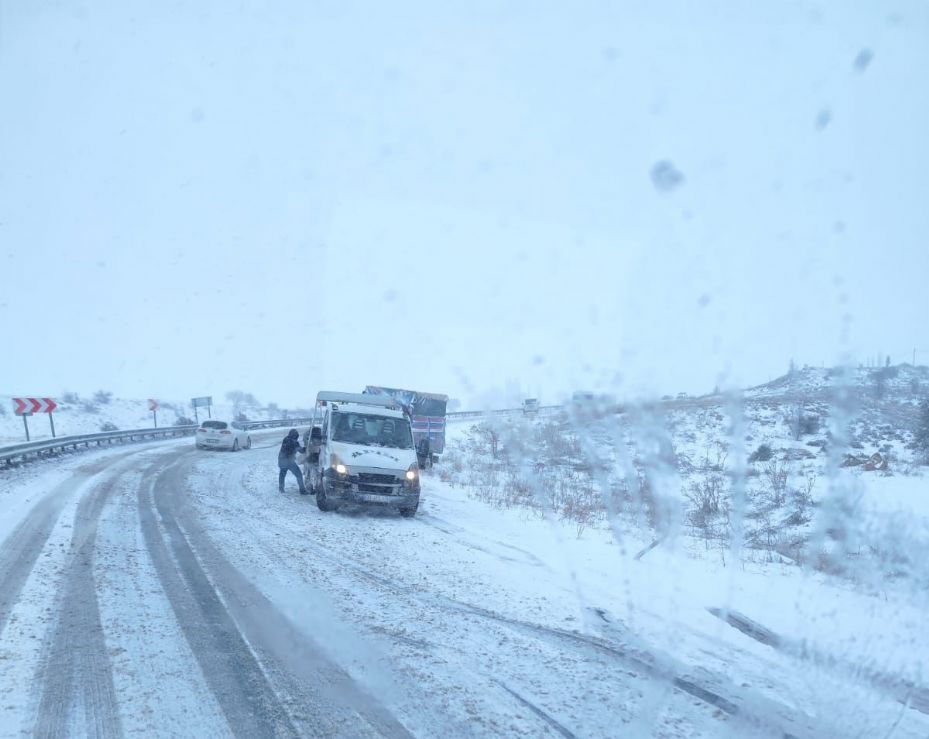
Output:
[[380, 457], [293, 434]]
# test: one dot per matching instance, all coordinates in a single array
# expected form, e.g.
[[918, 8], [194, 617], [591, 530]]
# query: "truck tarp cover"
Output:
[[426, 409]]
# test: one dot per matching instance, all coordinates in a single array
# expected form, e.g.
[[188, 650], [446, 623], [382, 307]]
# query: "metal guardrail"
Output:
[[48, 447], [501, 412], [276, 423], [63, 443]]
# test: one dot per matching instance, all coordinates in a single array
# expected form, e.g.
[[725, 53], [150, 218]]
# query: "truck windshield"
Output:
[[370, 430]]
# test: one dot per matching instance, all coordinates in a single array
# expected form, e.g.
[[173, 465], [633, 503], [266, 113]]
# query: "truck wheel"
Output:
[[322, 502], [409, 512]]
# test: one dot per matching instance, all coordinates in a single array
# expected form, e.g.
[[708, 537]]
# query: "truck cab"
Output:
[[360, 451]]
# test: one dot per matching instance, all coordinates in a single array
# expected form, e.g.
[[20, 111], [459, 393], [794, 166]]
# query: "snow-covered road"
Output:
[[166, 591]]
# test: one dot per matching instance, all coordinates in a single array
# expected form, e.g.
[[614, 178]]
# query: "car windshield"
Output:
[[663, 262], [370, 430]]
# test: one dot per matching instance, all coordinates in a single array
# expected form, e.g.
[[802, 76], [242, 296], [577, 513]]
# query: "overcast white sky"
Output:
[[287, 196]]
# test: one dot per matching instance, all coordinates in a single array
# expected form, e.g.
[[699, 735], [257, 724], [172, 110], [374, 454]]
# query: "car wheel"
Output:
[[248, 442], [409, 512], [235, 445]]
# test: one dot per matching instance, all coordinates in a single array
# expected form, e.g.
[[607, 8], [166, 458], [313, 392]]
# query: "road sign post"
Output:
[[28, 406], [205, 402], [153, 407]]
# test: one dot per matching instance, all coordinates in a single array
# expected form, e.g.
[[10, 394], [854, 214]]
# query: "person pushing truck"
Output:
[[287, 460]]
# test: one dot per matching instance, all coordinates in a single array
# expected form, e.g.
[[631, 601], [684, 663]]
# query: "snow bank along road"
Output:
[[167, 591]]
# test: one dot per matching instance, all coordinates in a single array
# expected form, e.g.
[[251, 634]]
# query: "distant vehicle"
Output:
[[360, 450], [213, 434], [531, 406], [583, 397], [427, 412]]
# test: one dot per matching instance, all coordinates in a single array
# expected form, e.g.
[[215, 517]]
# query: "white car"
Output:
[[214, 434]]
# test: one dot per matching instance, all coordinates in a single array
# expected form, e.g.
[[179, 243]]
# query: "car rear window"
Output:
[[214, 424]]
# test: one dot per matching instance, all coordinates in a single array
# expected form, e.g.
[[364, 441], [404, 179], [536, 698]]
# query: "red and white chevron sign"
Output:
[[21, 406]]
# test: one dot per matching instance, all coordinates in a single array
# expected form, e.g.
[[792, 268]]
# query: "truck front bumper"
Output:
[[349, 490]]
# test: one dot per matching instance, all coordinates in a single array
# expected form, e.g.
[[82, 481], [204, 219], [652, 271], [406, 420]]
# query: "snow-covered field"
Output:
[[160, 590]]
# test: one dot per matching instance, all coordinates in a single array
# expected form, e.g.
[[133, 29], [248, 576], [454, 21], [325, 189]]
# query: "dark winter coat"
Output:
[[289, 448]]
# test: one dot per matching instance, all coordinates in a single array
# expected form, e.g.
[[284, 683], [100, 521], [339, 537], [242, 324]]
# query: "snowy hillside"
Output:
[[902, 381], [809, 468]]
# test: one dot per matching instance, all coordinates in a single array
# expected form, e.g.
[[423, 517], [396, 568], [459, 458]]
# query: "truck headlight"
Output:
[[337, 465], [411, 478]]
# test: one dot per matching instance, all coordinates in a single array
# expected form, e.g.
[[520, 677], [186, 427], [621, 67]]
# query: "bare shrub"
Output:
[[715, 456], [921, 432], [707, 510], [802, 422], [103, 397], [241, 399], [574, 496], [489, 436], [559, 442], [776, 474]]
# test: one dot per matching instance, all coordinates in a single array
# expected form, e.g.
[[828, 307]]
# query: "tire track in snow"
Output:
[[466, 539], [466, 655], [757, 714], [76, 674], [903, 691], [538, 712], [346, 563], [20, 550], [268, 680], [228, 664]]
